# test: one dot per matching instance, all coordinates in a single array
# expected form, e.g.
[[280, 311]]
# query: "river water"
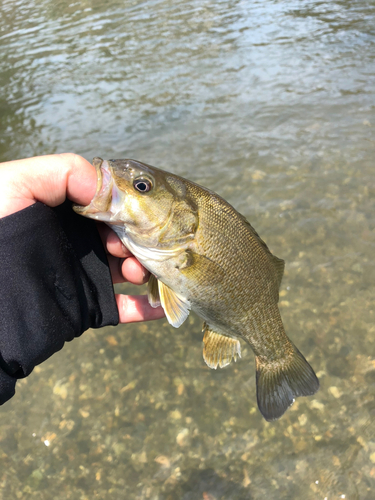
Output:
[[272, 105]]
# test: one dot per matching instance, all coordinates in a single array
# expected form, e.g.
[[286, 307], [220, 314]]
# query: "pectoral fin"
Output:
[[219, 349], [175, 306], [200, 268], [153, 292]]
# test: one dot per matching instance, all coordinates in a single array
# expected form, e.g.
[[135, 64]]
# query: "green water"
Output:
[[272, 105]]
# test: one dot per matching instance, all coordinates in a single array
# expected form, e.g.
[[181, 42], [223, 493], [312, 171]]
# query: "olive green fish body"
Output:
[[248, 278], [205, 256]]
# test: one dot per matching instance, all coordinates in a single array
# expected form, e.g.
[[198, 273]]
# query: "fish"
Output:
[[205, 256]]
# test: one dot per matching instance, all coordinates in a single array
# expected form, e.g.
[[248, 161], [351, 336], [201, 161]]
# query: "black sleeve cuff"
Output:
[[55, 283]]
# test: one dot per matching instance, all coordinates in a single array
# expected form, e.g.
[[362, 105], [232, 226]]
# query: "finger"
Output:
[[112, 242], [127, 270], [49, 179], [134, 308], [134, 272]]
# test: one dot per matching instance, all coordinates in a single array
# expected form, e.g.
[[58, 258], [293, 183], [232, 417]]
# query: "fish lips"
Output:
[[100, 206]]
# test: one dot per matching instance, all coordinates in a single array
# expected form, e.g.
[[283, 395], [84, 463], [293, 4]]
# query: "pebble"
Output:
[[258, 175], [181, 437], [302, 419], [175, 415], [317, 405], [61, 390], [336, 393]]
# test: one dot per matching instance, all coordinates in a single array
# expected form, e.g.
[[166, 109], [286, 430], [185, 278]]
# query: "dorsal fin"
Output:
[[279, 266]]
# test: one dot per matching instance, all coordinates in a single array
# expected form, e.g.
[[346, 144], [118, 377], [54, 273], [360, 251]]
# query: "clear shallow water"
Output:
[[272, 105]]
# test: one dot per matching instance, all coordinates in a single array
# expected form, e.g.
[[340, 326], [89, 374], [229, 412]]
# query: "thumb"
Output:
[[49, 179]]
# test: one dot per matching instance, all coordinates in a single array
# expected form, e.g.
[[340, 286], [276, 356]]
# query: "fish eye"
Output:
[[142, 185]]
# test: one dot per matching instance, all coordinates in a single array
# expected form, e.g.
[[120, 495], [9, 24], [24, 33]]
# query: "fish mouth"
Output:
[[100, 206]]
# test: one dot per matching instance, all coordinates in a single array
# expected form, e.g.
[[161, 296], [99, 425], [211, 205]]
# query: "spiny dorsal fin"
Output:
[[280, 382], [219, 349], [153, 292], [279, 265], [175, 306]]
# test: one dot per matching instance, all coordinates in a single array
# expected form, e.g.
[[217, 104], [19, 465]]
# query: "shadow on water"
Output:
[[341, 481], [206, 484]]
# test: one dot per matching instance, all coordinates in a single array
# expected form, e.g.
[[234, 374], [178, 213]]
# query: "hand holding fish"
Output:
[[53, 178], [55, 281]]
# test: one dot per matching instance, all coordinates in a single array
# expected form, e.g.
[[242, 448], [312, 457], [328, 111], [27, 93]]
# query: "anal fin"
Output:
[[219, 349]]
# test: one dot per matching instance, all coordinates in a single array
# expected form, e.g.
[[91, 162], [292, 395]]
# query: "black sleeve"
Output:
[[55, 283]]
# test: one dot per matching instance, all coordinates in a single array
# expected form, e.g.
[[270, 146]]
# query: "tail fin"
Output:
[[280, 382]]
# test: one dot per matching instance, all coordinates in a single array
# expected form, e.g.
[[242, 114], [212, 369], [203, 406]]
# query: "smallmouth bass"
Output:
[[205, 256]]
